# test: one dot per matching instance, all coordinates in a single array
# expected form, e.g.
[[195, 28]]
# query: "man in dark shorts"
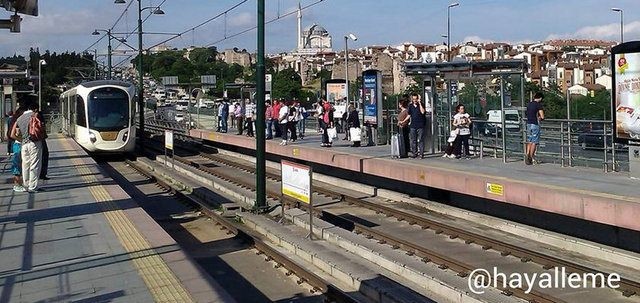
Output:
[[535, 114]]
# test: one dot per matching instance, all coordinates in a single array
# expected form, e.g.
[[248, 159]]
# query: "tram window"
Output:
[[108, 109], [80, 113]]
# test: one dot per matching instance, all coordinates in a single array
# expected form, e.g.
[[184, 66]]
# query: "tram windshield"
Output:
[[108, 109]]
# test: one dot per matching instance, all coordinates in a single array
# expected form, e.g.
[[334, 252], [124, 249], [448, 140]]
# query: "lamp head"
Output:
[[119, 2], [95, 33], [616, 9], [352, 37], [43, 62], [158, 11], [454, 4]]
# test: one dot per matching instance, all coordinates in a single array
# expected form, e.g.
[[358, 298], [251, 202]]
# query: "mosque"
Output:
[[313, 40]]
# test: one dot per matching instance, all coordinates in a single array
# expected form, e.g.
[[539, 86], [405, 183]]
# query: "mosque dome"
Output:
[[316, 29]]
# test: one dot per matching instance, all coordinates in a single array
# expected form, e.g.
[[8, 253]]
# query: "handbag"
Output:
[[332, 133], [354, 133]]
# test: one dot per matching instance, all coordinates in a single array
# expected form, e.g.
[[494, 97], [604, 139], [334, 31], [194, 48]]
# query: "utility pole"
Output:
[[261, 194]]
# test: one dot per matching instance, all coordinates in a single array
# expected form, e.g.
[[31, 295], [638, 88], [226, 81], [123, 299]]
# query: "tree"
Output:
[[286, 85]]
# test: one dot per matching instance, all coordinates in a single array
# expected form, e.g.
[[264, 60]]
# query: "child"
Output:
[[448, 153]]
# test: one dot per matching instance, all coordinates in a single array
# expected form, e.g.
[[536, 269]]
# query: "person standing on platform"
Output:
[[31, 148], [232, 113], [16, 160], [292, 124], [318, 115], [326, 122], [239, 114], [301, 118], [277, 104], [268, 118], [9, 117], [44, 168], [353, 121], [403, 126], [225, 116], [535, 114], [461, 122], [219, 129], [249, 112], [283, 122], [416, 127]]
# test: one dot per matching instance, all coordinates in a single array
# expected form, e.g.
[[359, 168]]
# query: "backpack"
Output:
[[36, 131]]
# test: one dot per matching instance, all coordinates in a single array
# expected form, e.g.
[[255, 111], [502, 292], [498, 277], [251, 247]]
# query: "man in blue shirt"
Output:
[[535, 114], [416, 126]]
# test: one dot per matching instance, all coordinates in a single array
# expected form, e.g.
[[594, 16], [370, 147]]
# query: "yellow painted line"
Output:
[[162, 283]]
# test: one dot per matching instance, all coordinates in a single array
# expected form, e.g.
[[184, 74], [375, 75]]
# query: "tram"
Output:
[[99, 115]]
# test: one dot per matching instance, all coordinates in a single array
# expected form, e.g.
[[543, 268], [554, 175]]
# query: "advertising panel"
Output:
[[168, 139], [370, 94], [296, 181], [336, 92], [626, 91]]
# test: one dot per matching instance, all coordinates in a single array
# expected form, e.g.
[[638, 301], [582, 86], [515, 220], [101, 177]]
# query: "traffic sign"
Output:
[[208, 79], [170, 80]]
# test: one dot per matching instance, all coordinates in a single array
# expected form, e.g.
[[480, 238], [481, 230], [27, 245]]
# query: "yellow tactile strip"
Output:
[[163, 285]]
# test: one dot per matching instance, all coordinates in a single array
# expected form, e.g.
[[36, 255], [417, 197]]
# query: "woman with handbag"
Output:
[[353, 122], [403, 126], [326, 123]]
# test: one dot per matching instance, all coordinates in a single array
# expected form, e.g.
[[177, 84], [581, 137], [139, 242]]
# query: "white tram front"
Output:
[[100, 115]]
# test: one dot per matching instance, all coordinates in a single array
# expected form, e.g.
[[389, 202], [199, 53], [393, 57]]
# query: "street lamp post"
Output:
[[41, 62], [109, 50], [141, 102], [449, 29], [346, 60], [615, 9]]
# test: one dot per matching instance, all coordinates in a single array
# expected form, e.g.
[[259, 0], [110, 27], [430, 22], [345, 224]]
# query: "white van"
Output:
[[494, 121], [182, 105]]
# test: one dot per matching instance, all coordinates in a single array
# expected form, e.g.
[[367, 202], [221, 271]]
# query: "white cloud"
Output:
[[604, 32], [242, 20]]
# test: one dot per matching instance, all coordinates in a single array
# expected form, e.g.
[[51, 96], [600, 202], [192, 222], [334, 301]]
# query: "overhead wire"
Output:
[[224, 13], [268, 22]]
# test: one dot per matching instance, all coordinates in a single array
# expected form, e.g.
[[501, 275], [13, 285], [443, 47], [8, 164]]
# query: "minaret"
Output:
[[299, 27]]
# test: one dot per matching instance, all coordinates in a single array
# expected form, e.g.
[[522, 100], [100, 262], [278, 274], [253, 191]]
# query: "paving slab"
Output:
[[83, 239]]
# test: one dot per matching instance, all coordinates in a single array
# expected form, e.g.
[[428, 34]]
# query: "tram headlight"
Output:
[[125, 136], [92, 137]]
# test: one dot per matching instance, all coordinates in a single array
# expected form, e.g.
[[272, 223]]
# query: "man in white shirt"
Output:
[[283, 119]]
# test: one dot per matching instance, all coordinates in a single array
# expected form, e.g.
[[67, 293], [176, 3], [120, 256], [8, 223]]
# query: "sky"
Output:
[[67, 25]]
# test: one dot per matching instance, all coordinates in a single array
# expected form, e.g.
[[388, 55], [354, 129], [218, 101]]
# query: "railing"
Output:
[[565, 142]]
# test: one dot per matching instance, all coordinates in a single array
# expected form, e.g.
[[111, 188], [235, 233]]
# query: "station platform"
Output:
[[584, 193], [83, 239]]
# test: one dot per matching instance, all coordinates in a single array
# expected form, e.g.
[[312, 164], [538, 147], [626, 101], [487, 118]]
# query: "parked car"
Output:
[[594, 139], [179, 117]]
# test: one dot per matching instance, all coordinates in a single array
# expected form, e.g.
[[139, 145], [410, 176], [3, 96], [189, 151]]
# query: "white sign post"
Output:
[[168, 144], [296, 184]]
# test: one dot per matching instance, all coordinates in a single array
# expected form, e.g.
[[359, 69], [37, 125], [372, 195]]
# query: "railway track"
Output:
[[627, 287], [318, 285]]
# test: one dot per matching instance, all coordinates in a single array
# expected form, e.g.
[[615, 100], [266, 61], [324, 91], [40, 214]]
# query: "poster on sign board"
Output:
[[626, 91], [336, 91]]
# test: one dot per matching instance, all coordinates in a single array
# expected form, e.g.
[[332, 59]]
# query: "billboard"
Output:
[[626, 91], [371, 93], [336, 90]]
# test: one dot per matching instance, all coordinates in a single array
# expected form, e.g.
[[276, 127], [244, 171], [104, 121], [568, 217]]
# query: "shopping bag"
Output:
[[395, 146], [332, 133], [354, 133]]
